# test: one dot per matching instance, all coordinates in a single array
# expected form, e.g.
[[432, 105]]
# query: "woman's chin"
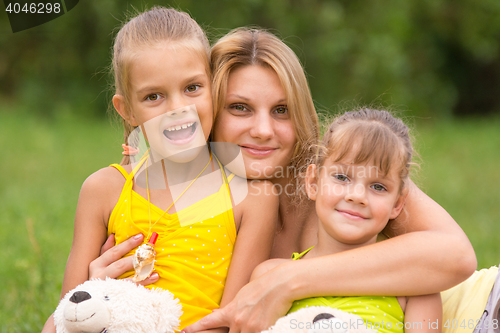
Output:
[[260, 170]]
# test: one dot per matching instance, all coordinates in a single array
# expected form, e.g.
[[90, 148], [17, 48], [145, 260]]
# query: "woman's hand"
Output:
[[111, 264], [256, 307]]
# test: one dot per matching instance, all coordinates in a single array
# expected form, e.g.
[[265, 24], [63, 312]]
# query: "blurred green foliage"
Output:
[[431, 57]]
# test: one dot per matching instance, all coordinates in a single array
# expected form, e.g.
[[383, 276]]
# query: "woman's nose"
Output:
[[262, 126]]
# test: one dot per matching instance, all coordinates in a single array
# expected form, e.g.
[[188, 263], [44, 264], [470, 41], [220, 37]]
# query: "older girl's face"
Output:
[[255, 117]]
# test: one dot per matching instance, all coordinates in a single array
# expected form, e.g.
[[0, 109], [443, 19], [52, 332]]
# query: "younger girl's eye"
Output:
[[281, 110], [341, 177], [378, 187], [192, 88], [153, 97]]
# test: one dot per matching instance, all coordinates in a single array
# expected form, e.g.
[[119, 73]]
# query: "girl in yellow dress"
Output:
[[178, 189]]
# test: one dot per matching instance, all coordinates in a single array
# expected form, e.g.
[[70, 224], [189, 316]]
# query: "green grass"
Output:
[[460, 171], [46, 161]]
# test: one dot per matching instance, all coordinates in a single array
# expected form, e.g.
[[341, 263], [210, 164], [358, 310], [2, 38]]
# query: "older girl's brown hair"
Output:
[[250, 46], [375, 136], [150, 29]]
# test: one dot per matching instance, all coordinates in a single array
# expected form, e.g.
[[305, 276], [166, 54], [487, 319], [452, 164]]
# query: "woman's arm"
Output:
[[453, 258], [258, 214], [433, 255]]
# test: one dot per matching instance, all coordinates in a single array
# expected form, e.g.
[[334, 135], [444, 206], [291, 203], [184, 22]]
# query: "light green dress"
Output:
[[379, 313]]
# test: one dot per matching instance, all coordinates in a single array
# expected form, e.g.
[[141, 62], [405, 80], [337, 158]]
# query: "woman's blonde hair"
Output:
[[148, 29], [374, 136], [250, 46]]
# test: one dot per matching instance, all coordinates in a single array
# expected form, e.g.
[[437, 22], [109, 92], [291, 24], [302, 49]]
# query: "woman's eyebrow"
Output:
[[238, 97]]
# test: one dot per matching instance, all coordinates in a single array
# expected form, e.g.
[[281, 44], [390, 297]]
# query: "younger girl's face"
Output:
[[170, 98], [255, 117], [353, 202]]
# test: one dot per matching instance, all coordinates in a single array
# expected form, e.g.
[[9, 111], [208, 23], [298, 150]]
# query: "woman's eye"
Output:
[[153, 97], [192, 88], [378, 187], [281, 110], [341, 177], [239, 107]]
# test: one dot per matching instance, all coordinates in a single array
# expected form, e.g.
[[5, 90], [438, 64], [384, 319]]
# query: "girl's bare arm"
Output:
[[92, 213], [423, 314]]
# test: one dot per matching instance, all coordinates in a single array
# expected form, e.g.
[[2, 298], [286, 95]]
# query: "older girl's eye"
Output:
[[378, 187], [192, 88], [281, 110], [153, 97]]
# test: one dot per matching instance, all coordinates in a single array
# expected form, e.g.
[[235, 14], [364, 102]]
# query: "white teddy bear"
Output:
[[319, 319], [111, 306]]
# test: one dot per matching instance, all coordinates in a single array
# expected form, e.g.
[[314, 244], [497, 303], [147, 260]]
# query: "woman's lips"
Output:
[[351, 215], [258, 150]]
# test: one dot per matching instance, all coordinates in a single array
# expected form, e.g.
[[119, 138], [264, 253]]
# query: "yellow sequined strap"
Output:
[[224, 178], [121, 169], [139, 164], [297, 256]]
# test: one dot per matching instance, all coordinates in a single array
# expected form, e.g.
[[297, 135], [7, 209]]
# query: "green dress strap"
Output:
[[297, 256]]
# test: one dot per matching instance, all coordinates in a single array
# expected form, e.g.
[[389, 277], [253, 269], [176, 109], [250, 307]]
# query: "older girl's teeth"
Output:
[[178, 127]]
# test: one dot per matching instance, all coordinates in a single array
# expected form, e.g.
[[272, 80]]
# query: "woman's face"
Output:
[[255, 117]]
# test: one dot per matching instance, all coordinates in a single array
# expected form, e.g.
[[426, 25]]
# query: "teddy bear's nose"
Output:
[[80, 296]]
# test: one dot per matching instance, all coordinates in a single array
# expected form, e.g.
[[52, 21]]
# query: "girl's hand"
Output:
[[111, 264], [255, 308]]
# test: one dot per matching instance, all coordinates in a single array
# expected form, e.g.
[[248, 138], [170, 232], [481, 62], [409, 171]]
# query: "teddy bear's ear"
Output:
[[322, 316]]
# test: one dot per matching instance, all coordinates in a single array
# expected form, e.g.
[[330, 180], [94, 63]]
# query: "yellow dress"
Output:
[[464, 304], [192, 260]]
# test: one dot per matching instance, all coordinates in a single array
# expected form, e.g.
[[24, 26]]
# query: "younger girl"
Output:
[[162, 78], [359, 182]]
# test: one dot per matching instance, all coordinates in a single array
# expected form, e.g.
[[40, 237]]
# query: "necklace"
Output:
[[144, 256]]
